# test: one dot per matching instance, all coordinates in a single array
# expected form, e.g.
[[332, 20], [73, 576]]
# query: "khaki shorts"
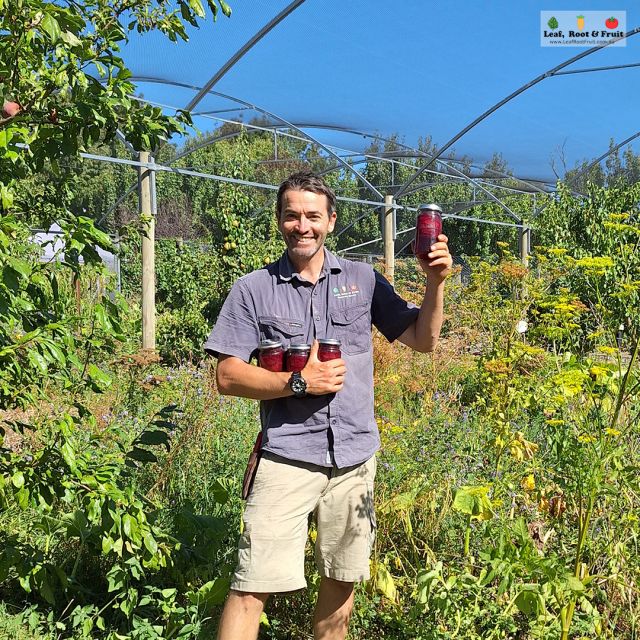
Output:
[[271, 548]]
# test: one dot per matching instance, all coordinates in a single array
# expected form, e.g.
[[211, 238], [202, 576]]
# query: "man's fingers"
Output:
[[313, 352]]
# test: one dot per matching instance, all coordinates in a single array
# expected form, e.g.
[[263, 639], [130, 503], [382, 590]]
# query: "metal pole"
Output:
[[145, 207], [389, 245]]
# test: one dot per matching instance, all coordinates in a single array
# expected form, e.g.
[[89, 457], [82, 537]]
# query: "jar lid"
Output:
[[269, 344], [330, 342], [299, 347], [430, 207]]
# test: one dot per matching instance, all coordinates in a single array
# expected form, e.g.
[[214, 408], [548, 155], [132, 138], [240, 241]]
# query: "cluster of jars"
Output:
[[273, 357]]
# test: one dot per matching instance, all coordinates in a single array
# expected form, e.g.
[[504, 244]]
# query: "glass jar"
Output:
[[428, 228], [297, 356], [271, 355], [329, 349]]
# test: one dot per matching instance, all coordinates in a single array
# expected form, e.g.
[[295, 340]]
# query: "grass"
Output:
[[13, 626]]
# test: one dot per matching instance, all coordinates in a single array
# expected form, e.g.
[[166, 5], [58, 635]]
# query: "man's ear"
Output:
[[332, 220]]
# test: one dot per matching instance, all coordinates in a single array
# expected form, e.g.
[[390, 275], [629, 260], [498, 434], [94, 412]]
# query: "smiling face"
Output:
[[305, 221]]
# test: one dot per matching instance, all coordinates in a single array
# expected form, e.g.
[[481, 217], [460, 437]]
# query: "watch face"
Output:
[[298, 385]]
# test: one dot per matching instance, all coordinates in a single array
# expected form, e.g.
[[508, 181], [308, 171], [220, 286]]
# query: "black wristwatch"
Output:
[[298, 385]]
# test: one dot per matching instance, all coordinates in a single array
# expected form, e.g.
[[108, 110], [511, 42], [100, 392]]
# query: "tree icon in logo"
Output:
[[553, 23]]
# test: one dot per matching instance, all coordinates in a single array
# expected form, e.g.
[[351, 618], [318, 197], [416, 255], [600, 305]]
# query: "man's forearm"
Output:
[[423, 334], [235, 377], [430, 318]]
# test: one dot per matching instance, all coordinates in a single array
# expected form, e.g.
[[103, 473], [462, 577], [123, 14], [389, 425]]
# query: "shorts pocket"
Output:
[[271, 564]]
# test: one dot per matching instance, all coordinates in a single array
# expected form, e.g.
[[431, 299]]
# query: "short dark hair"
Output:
[[306, 181]]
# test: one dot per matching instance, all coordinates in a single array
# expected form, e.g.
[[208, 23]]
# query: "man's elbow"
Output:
[[224, 381], [428, 346]]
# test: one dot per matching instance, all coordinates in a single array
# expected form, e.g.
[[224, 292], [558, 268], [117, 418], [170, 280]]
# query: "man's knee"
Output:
[[248, 600], [338, 586]]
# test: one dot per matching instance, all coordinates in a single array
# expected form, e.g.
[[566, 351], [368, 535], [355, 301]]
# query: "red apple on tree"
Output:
[[10, 109], [611, 22]]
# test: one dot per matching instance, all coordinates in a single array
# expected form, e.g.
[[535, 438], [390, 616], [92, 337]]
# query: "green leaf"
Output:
[[98, 377], [17, 479], [226, 9], [22, 267], [210, 594], [38, 362], [107, 545], [383, 582], [46, 591], [575, 584], [197, 8], [71, 39], [22, 498], [529, 601], [474, 501], [68, 455], [150, 544], [51, 27]]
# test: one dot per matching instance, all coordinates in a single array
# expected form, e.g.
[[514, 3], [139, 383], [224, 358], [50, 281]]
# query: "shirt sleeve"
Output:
[[236, 332], [390, 313]]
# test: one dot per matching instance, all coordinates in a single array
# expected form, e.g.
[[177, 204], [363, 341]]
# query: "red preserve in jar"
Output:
[[271, 355], [297, 356], [329, 349], [428, 228]]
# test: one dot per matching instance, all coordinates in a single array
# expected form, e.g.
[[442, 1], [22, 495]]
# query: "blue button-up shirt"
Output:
[[277, 303]]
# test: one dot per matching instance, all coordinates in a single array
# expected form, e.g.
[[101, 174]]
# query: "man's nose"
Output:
[[303, 224]]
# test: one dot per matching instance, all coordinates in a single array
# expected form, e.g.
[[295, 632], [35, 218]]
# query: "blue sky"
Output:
[[413, 68]]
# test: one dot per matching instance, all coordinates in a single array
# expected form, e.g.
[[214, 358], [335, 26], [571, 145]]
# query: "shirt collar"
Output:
[[286, 268]]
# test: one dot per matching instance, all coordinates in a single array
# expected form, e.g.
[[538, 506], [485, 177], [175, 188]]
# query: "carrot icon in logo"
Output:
[[580, 20]]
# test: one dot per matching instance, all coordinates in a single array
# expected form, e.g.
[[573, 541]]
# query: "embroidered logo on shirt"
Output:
[[345, 291]]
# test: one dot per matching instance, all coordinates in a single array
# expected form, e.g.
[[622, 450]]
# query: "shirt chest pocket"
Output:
[[287, 330], [352, 326]]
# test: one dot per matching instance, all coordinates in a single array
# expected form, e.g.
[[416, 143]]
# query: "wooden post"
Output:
[[389, 244], [148, 255], [524, 241]]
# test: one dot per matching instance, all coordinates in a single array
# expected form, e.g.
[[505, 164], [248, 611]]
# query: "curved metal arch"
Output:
[[409, 148], [510, 97], [466, 179], [240, 53], [285, 123], [612, 67], [440, 173], [300, 126], [599, 159]]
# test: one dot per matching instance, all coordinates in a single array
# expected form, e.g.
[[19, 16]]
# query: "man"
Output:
[[319, 431]]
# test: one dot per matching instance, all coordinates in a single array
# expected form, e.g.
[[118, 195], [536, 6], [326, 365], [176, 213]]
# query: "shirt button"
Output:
[[318, 318], [334, 421]]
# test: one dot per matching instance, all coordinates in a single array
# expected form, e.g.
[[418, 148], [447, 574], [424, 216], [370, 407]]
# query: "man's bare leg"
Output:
[[333, 610], [240, 618]]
